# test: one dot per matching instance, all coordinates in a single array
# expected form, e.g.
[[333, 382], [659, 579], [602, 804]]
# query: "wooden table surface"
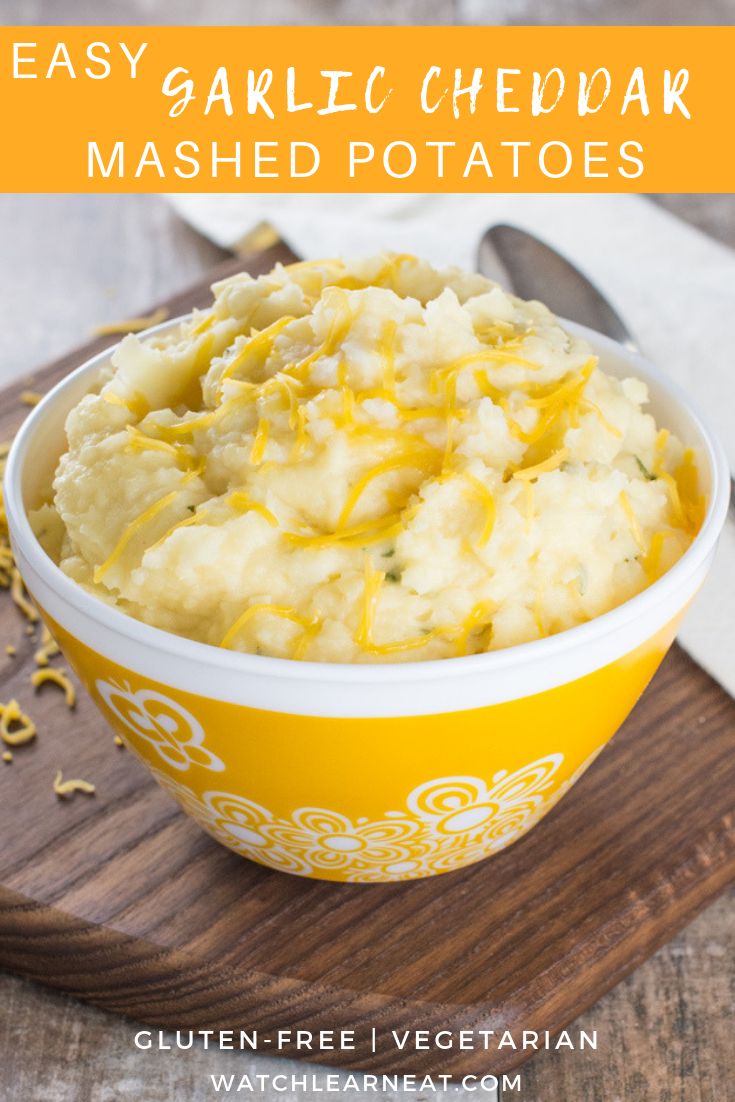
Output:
[[69, 262]]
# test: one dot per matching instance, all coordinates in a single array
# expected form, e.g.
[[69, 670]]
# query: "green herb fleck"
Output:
[[644, 469], [192, 508], [389, 553], [393, 576]]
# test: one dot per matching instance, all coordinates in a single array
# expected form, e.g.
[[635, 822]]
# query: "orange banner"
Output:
[[473, 109]]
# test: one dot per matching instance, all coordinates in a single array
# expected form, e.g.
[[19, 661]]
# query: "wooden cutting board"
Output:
[[121, 900]]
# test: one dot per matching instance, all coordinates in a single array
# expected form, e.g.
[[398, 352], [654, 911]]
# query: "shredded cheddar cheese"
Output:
[[635, 527], [259, 443], [301, 435], [552, 463], [135, 404], [18, 593], [16, 728], [652, 558], [308, 624], [48, 649], [140, 522], [64, 788], [479, 619], [257, 347], [388, 354], [131, 325], [673, 490], [487, 500], [245, 504], [411, 460], [401, 646], [30, 397], [371, 591], [55, 677], [132, 530], [139, 441], [370, 531], [307, 636], [195, 518], [693, 503], [587, 404], [538, 616]]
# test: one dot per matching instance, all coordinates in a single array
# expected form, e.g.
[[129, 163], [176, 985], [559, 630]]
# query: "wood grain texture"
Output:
[[71, 262], [377, 12], [601, 12], [122, 901], [232, 12]]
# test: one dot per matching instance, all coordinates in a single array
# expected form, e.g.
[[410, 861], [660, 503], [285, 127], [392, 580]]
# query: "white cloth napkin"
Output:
[[674, 286]]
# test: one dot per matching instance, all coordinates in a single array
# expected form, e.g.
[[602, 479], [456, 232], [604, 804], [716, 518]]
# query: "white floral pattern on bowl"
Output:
[[448, 822], [175, 734]]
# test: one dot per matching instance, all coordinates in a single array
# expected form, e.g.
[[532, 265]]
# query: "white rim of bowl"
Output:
[[476, 664]]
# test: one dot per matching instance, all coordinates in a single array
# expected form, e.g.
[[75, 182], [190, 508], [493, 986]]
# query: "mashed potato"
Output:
[[365, 462]]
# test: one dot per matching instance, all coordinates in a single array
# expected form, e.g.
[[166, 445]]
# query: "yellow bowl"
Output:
[[364, 772]]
